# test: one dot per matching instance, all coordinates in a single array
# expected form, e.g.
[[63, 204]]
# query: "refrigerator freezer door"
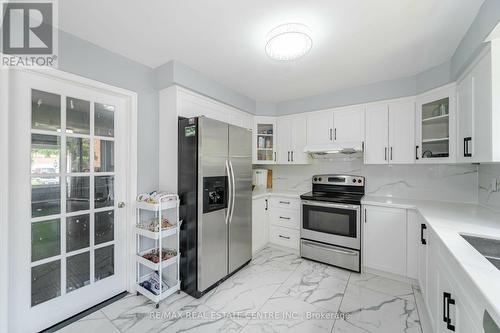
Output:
[[240, 223], [212, 228]]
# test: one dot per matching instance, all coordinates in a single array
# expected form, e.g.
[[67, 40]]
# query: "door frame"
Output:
[[130, 99]]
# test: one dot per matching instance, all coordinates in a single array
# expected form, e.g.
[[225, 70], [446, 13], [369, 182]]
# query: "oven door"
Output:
[[331, 223]]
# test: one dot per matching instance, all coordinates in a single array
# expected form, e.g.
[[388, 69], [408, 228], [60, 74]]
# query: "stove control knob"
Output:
[[315, 179], [354, 180], [359, 181], [319, 178]]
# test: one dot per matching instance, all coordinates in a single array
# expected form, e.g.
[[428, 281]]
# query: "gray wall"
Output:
[[86, 59]]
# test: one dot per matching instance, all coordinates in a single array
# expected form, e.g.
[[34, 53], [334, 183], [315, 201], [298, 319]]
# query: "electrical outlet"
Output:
[[494, 185]]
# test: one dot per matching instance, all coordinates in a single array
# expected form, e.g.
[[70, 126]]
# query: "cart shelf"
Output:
[[156, 235], [156, 266]]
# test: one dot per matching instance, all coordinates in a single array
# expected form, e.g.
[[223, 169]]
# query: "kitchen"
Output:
[[319, 169]]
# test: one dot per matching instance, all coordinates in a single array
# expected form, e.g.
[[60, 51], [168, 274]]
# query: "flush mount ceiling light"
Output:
[[288, 42]]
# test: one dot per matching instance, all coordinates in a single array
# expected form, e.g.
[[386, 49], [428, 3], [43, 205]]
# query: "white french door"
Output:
[[68, 155]]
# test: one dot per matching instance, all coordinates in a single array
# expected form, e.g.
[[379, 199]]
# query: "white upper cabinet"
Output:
[[320, 127], [390, 133], [402, 132], [377, 134], [291, 139], [476, 113], [264, 141], [436, 125], [349, 124]]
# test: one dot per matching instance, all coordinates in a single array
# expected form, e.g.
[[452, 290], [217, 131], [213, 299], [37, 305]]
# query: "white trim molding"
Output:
[[4, 192]]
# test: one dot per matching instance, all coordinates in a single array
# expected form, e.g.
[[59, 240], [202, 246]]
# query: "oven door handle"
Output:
[[333, 205], [349, 253]]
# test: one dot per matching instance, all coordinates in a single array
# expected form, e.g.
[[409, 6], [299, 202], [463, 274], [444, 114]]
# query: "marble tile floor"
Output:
[[276, 292]]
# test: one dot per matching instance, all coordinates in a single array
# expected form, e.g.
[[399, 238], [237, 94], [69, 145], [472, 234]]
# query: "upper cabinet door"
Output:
[[436, 126], [377, 134], [299, 140], [465, 121], [283, 140], [320, 127], [402, 132], [349, 125], [264, 140]]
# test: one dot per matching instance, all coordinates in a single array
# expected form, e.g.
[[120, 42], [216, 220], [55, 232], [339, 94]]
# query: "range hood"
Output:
[[346, 148]]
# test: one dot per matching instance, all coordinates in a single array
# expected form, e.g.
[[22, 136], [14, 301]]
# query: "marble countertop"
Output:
[[448, 220], [256, 194]]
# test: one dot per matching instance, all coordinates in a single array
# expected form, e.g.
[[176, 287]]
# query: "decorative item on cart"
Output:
[[153, 284], [152, 225], [154, 255], [155, 197]]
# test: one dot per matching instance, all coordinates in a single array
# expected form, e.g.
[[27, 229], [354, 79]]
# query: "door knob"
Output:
[[121, 204]]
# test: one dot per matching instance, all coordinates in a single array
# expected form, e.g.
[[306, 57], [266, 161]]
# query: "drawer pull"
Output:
[[350, 253], [285, 202], [285, 218], [285, 237]]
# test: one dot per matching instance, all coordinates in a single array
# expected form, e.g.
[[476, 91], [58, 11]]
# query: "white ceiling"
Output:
[[355, 42]]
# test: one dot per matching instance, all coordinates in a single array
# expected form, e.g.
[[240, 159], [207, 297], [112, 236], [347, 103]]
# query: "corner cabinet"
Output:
[[264, 141], [436, 126]]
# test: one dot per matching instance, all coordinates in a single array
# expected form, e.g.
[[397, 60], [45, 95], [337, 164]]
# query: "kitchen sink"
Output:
[[489, 248]]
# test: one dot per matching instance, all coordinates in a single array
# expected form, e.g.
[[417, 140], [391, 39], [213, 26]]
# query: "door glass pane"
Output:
[[45, 282], [45, 111], [104, 227], [77, 116], [77, 155], [45, 153], [45, 196], [77, 271], [77, 232], [77, 193], [104, 191], [104, 262], [436, 129], [45, 239], [104, 156], [104, 120]]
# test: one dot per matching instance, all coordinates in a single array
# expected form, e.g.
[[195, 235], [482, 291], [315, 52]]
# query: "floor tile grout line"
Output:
[[342, 300], [106, 316]]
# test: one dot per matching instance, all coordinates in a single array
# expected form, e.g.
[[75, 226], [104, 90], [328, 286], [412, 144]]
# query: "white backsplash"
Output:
[[487, 172], [457, 183]]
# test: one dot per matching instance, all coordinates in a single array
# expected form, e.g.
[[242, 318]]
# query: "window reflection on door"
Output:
[[72, 194]]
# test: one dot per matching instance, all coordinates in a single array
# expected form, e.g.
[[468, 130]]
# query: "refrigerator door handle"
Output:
[[233, 194], [230, 189]]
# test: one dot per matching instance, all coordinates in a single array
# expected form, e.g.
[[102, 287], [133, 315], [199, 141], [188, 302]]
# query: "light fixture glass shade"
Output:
[[288, 42]]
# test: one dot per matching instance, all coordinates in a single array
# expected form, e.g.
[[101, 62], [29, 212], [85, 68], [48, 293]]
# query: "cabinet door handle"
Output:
[[365, 215], [416, 152], [467, 140], [285, 202], [274, 156], [465, 147], [447, 300], [335, 135], [391, 153], [267, 204], [292, 155], [385, 154], [422, 239], [288, 156], [285, 237], [331, 135], [285, 218]]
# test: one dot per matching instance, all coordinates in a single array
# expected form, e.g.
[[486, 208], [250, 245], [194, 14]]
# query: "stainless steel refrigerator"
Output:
[[215, 188]]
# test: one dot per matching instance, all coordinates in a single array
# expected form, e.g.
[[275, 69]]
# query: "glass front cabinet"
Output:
[[264, 140], [436, 126]]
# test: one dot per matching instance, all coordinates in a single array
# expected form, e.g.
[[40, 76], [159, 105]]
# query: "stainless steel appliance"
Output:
[[330, 224], [215, 189]]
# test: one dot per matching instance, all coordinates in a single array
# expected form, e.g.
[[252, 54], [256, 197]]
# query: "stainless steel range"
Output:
[[331, 221]]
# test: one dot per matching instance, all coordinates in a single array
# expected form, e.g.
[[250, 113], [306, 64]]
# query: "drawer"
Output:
[[284, 237], [284, 202], [288, 218]]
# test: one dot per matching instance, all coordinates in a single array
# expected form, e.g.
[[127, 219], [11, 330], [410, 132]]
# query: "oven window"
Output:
[[335, 221]]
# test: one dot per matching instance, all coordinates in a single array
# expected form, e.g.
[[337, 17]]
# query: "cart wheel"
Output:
[[138, 293], [178, 292], [157, 305]]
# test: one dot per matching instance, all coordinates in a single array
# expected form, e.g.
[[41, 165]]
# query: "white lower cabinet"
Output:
[[384, 239], [260, 225], [287, 218], [284, 237]]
